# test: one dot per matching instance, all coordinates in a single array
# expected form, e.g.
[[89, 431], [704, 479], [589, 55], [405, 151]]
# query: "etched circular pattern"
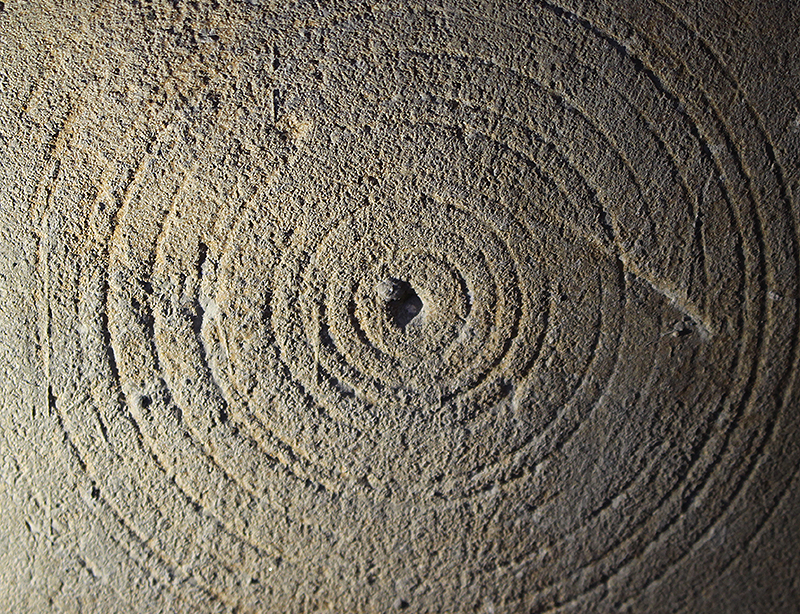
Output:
[[371, 307]]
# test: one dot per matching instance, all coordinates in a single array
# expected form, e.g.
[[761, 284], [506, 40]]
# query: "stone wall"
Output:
[[438, 307]]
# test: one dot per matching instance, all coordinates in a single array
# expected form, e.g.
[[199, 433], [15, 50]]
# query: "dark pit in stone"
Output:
[[402, 302]]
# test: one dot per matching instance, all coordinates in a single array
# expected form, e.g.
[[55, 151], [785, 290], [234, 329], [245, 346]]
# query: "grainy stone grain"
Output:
[[364, 307]]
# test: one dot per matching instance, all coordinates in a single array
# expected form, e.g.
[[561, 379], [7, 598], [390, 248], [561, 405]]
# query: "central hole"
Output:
[[402, 303]]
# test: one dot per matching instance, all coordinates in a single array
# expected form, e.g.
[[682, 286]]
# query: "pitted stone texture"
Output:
[[469, 307]]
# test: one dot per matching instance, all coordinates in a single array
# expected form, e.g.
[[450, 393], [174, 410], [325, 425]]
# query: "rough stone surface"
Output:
[[434, 307]]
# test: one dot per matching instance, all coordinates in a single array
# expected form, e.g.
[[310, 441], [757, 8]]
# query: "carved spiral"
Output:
[[443, 307]]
